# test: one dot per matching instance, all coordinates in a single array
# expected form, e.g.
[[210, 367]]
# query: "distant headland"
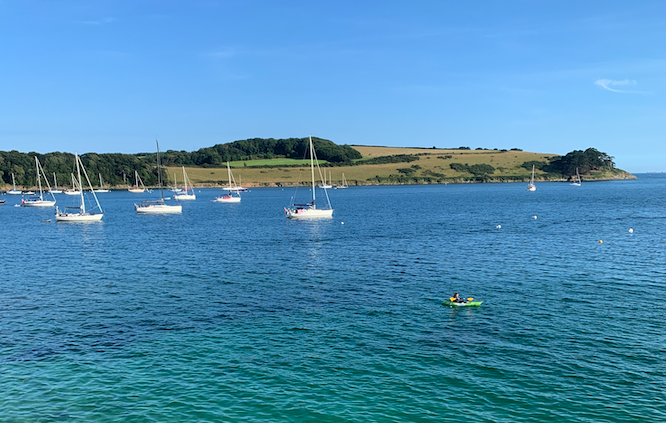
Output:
[[280, 162]]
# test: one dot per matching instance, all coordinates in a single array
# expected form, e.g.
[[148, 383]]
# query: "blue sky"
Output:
[[545, 76]]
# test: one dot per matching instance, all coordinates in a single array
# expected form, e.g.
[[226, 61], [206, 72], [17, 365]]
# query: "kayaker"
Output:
[[456, 298]]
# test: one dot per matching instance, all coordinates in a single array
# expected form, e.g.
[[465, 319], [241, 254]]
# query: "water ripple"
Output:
[[233, 313]]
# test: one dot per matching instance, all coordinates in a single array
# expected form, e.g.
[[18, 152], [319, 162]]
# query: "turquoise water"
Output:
[[229, 312]]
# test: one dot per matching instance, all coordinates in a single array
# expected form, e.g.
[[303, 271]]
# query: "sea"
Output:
[[231, 312]]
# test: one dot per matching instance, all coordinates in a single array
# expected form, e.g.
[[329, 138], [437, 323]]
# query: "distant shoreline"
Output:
[[621, 177], [378, 166]]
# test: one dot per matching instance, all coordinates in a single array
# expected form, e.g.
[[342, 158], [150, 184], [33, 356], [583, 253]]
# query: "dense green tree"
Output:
[[586, 161], [475, 169], [541, 165], [117, 168], [459, 167], [481, 169], [397, 158]]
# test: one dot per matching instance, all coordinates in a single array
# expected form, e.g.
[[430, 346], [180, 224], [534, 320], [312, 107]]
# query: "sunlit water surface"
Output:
[[229, 312]]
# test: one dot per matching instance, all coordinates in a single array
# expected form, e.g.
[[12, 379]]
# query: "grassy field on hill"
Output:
[[273, 162], [432, 166]]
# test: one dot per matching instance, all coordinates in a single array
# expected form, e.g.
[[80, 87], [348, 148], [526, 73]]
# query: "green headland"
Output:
[[271, 162]]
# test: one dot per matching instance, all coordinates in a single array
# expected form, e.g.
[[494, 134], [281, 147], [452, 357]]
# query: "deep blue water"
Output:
[[230, 312]]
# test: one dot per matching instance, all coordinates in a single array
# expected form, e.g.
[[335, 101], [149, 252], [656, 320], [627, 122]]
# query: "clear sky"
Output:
[[545, 76]]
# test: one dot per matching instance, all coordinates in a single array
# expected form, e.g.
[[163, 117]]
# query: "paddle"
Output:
[[460, 300]]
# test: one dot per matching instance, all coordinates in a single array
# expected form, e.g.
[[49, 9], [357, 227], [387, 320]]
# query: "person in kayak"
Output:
[[456, 298]]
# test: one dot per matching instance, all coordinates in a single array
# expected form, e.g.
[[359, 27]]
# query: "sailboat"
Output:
[[239, 187], [73, 190], [531, 186], [138, 183], [55, 181], [330, 181], [101, 185], [14, 191], [158, 206], [577, 181], [175, 185], [187, 193], [79, 213], [229, 198], [344, 183], [39, 201], [310, 210]]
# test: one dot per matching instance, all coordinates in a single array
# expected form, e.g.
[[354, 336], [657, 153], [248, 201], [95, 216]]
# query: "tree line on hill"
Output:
[[585, 161], [560, 166], [260, 148], [118, 169]]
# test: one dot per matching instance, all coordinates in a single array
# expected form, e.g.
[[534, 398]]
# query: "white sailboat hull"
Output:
[[184, 196], [577, 181], [56, 191], [136, 190], [69, 192], [232, 188], [343, 185], [158, 209], [531, 186], [309, 211], [78, 217], [102, 190], [15, 192], [227, 199], [38, 203], [305, 214]]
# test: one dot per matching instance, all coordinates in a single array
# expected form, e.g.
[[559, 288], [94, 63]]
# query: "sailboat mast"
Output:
[[229, 177], [39, 177], [41, 169], [312, 168], [55, 180], [78, 174], [159, 171], [532, 173], [89, 184], [14, 182]]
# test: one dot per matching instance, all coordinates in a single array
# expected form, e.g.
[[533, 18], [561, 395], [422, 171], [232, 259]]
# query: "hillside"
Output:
[[271, 162], [426, 166]]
